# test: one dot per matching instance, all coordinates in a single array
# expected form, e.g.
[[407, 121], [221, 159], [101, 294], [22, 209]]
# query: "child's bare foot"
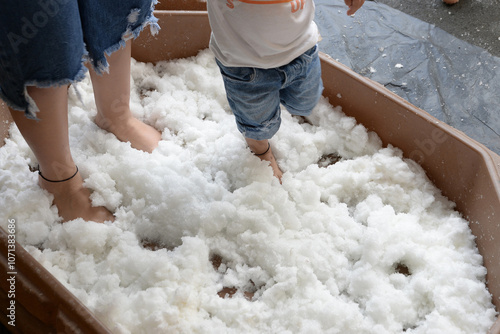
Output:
[[140, 135], [72, 200], [262, 149], [269, 156]]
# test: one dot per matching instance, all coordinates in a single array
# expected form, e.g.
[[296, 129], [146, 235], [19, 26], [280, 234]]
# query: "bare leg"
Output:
[[48, 138], [5, 121], [260, 146], [112, 97]]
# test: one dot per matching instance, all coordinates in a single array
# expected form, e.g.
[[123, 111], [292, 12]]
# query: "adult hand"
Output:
[[353, 5]]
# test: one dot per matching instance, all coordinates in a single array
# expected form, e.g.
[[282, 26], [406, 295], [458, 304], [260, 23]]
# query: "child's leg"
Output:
[[263, 150], [253, 95], [112, 96], [49, 141], [306, 86]]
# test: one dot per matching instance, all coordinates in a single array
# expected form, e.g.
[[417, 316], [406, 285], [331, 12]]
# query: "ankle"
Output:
[[110, 124], [58, 172], [258, 147], [263, 153], [59, 179], [62, 186]]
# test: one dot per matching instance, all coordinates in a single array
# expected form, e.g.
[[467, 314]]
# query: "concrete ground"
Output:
[[474, 21]]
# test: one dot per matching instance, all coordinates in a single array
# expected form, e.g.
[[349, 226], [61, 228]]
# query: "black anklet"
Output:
[[268, 147], [69, 178]]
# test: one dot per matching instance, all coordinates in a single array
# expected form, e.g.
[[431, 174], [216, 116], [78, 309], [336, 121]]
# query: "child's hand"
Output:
[[353, 5]]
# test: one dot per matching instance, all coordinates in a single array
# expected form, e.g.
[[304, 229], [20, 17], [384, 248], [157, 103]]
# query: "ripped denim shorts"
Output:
[[45, 43]]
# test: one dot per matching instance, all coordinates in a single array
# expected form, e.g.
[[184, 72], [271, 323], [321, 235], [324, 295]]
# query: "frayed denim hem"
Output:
[[32, 109], [14, 106], [101, 65], [136, 20]]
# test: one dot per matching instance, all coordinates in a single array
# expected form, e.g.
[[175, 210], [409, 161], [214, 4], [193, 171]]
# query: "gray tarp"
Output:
[[452, 80]]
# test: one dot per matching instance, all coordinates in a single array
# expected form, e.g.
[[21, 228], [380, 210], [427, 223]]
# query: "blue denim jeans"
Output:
[[255, 94], [46, 42]]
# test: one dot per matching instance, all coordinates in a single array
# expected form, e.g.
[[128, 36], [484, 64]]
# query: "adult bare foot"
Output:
[[262, 149], [72, 200], [141, 136], [112, 98]]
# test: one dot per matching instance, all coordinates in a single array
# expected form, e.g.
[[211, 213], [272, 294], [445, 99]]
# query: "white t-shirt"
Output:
[[261, 33]]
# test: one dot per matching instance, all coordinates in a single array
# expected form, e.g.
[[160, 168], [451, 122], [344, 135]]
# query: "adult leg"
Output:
[[5, 120], [48, 138], [112, 97]]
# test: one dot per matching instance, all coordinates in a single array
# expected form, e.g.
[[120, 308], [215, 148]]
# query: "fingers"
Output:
[[353, 5]]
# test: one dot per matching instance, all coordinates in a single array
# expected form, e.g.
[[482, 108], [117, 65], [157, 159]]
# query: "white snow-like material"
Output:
[[320, 252]]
